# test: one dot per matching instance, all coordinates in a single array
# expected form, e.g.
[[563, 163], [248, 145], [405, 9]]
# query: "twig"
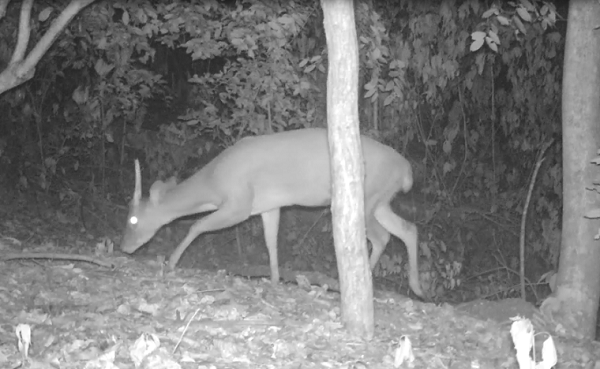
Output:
[[506, 289], [93, 213], [239, 244], [209, 291], [481, 274], [301, 241], [503, 226], [428, 153], [538, 164], [465, 134], [185, 330], [509, 270], [53, 256]]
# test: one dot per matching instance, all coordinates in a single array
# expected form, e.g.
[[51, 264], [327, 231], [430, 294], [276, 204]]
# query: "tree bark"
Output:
[[575, 301], [347, 168]]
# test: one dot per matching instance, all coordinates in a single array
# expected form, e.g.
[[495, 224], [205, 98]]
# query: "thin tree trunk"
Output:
[[347, 167]]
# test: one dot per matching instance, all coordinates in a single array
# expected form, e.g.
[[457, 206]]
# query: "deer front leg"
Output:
[[232, 212], [270, 221]]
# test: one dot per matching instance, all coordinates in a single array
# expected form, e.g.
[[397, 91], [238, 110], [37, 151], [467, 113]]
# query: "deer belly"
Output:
[[273, 198]]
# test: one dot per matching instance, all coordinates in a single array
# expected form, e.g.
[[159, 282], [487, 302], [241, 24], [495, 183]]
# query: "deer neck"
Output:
[[191, 196]]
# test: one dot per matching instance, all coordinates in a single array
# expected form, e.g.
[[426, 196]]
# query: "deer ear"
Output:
[[170, 184], [157, 192], [159, 188], [137, 193]]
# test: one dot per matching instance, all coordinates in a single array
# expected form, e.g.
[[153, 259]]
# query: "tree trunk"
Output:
[[347, 168], [575, 301]]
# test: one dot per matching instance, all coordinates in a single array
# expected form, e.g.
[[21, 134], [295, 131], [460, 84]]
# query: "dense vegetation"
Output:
[[468, 93]]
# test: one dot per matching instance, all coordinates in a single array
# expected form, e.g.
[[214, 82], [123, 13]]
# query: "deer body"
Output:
[[258, 176]]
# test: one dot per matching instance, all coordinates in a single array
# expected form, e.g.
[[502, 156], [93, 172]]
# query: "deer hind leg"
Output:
[[270, 221], [407, 232], [233, 211], [379, 237]]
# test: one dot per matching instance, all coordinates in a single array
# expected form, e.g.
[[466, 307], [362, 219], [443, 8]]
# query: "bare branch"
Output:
[[3, 6], [20, 70], [24, 32], [57, 26]]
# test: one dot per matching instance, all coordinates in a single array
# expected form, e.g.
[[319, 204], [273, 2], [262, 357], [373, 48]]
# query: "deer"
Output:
[[259, 175]]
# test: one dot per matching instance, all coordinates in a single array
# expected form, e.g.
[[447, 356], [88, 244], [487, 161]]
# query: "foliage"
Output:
[[478, 112], [85, 83], [467, 92], [469, 109], [257, 89]]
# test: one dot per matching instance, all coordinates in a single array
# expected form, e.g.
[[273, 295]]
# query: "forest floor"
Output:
[[119, 311]]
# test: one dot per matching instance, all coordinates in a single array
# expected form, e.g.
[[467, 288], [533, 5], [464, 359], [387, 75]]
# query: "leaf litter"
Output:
[[135, 314]]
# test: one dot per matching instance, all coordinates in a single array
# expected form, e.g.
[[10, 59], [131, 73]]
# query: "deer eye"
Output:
[[133, 220]]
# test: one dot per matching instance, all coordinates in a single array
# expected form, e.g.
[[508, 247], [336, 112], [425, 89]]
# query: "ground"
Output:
[[115, 310]]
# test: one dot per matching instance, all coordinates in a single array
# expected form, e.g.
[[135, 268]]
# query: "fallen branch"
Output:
[[53, 256]]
